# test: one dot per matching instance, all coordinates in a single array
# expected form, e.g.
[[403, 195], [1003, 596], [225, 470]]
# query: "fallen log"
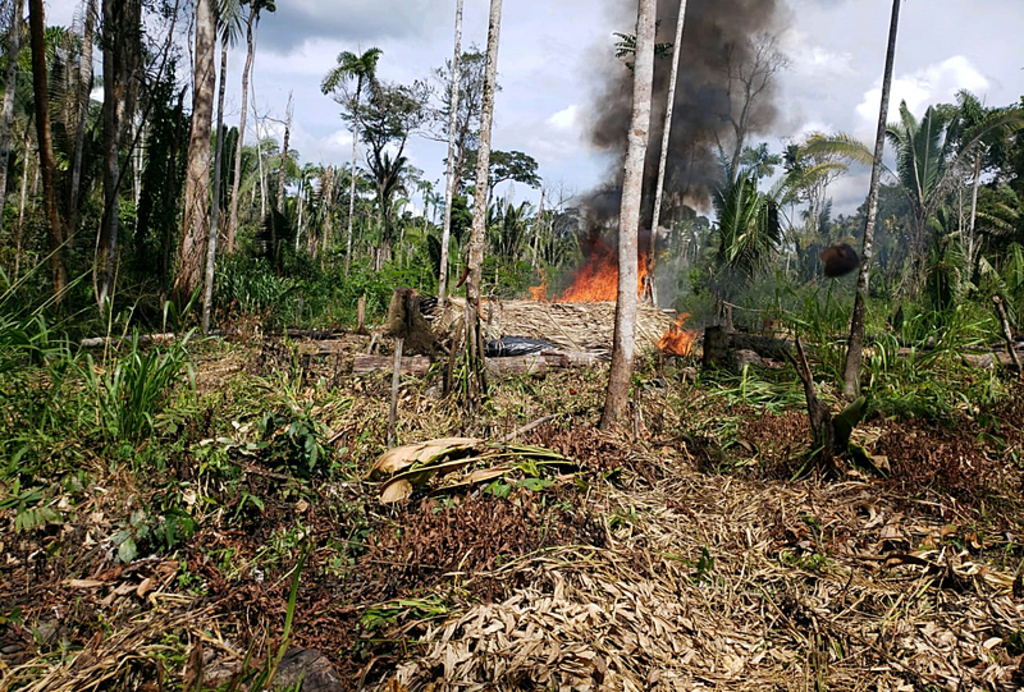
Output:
[[988, 360], [97, 341], [764, 346]]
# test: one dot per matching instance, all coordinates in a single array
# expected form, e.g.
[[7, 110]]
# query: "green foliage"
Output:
[[748, 228], [292, 440], [128, 392], [915, 380], [247, 286], [30, 506]]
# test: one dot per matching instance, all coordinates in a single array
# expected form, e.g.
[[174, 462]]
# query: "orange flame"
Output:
[[539, 292], [678, 341], [597, 280]]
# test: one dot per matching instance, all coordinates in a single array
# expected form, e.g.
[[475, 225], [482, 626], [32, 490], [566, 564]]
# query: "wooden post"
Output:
[[395, 376], [361, 315]]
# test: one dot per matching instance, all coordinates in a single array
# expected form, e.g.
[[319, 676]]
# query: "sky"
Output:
[[547, 55]]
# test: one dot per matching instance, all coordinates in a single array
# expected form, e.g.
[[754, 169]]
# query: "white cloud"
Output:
[[936, 83], [565, 119], [813, 60]]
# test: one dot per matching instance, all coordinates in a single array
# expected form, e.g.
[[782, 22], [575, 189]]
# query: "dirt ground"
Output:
[[679, 555]]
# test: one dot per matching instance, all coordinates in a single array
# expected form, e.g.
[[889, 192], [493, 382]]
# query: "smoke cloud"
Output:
[[719, 37]]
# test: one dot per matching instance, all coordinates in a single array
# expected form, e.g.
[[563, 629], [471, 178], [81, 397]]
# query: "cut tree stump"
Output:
[[406, 321]]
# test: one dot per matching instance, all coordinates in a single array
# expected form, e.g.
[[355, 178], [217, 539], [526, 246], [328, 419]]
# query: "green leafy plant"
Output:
[[131, 390], [30, 507], [292, 440]]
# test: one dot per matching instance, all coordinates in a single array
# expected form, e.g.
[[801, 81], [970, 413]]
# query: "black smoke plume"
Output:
[[718, 34]]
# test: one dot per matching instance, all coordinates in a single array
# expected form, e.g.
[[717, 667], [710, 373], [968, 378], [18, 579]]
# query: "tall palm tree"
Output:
[[450, 166], [196, 226], [7, 115], [251, 25], [932, 154], [855, 345], [624, 340], [44, 136], [363, 69]]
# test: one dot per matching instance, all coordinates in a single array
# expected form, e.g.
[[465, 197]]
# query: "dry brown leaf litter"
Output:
[[640, 616]]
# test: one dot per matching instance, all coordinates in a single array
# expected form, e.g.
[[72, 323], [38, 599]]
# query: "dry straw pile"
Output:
[[574, 326]]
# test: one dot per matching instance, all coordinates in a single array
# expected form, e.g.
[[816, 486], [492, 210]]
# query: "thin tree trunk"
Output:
[[474, 340], [47, 160], [666, 134], [259, 157], [536, 230], [20, 233], [211, 243], [113, 114], [7, 116], [138, 155], [196, 226], [328, 191], [232, 230], [974, 210], [352, 184], [281, 172], [301, 196], [449, 176], [855, 346], [624, 341]]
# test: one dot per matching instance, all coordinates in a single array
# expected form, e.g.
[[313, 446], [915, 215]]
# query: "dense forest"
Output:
[[267, 423]]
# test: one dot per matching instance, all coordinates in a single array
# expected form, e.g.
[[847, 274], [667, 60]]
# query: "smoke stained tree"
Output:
[[624, 340]]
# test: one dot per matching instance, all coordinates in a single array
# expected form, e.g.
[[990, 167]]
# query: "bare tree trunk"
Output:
[[651, 288], [196, 226], [281, 172], [47, 160], [449, 176], [7, 116], [19, 234], [259, 157], [301, 196], [474, 340], [352, 184], [974, 211], [624, 340], [232, 230], [855, 346], [113, 115], [328, 184], [536, 230], [211, 243]]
